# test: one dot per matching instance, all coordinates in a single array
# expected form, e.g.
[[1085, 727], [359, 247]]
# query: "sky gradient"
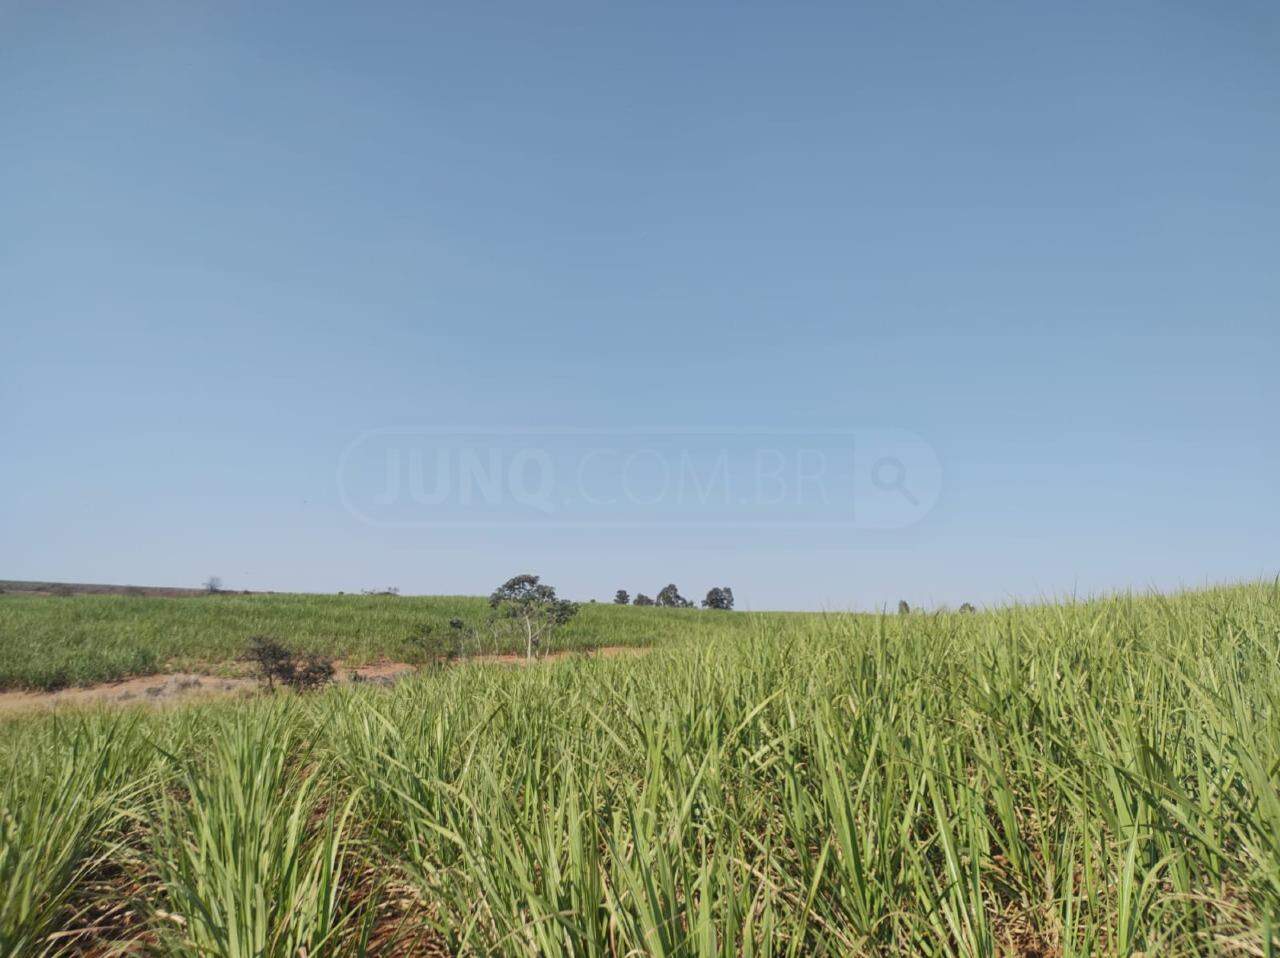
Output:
[[1040, 241]]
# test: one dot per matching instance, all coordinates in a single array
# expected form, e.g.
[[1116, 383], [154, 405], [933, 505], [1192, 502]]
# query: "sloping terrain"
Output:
[[1095, 779]]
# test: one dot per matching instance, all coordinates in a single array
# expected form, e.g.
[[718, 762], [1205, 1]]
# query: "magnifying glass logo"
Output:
[[890, 475]]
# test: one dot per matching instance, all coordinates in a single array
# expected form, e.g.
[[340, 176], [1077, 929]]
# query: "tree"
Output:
[[671, 598], [212, 584], [642, 599], [534, 606], [721, 597], [903, 608], [276, 663], [621, 598], [437, 647], [967, 608]]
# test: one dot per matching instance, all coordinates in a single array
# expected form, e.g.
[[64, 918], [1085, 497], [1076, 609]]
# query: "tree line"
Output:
[[719, 598]]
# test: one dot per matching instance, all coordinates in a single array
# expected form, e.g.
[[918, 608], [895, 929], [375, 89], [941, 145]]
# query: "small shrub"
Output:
[[272, 660], [642, 599], [276, 663], [436, 647], [315, 671], [903, 608], [967, 608]]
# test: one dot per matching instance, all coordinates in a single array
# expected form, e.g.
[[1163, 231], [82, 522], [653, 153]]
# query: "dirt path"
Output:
[[173, 687]]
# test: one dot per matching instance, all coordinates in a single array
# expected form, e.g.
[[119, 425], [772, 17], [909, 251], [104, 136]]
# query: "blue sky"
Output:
[[1039, 241]]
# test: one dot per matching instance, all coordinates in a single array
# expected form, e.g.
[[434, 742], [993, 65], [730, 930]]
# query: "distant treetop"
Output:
[[721, 598], [671, 598]]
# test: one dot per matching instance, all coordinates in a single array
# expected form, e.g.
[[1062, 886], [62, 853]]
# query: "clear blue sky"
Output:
[[1043, 240]]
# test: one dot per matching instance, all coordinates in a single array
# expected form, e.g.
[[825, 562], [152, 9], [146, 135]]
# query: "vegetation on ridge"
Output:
[[1099, 778]]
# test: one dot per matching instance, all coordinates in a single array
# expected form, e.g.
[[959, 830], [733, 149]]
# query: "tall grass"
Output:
[[61, 815], [50, 642], [1076, 780], [249, 859]]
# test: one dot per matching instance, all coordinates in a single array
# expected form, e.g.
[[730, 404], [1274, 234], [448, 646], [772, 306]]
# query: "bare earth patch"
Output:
[[171, 687]]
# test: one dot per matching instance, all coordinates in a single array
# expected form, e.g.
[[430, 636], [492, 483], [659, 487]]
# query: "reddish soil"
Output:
[[174, 686], [168, 688]]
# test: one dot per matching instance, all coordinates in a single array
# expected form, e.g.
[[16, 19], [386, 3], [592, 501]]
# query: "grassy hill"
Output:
[[1094, 779], [48, 640]]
